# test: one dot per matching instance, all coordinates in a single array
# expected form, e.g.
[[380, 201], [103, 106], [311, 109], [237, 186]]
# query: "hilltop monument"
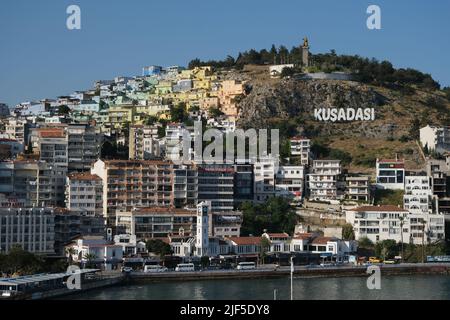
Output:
[[305, 52]]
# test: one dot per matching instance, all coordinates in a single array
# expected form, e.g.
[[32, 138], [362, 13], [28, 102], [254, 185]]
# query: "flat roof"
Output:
[[40, 277]]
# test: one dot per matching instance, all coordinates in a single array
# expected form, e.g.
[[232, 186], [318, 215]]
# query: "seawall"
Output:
[[355, 271]]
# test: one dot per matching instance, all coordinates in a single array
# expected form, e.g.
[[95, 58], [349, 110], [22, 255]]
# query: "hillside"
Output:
[[289, 104]]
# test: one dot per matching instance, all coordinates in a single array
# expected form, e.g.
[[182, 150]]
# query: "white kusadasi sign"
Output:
[[344, 114]]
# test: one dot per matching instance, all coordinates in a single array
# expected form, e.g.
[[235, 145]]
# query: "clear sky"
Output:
[[41, 58]]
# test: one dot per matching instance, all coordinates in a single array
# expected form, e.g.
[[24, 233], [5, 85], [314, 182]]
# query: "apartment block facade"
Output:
[[289, 182], [144, 143], [30, 228], [301, 147], [216, 184], [324, 179], [35, 183], [435, 138], [134, 183], [83, 147], [358, 189], [390, 174], [84, 193]]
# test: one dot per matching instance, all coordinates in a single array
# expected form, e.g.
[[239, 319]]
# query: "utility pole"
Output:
[[423, 242], [292, 278], [401, 233]]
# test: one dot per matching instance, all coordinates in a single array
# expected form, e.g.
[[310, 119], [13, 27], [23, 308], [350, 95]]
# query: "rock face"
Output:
[[292, 98]]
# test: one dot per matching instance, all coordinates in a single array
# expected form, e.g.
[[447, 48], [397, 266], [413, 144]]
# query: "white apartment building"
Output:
[[17, 129], [435, 138], [289, 182], [50, 144], [83, 146], [358, 189], [301, 147], [418, 197], [34, 182], [423, 208], [95, 250], [31, 228], [390, 174], [380, 223], [264, 179], [324, 179], [144, 143], [84, 193], [176, 135]]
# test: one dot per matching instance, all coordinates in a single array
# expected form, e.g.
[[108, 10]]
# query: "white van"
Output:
[[246, 266], [154, 268], [185, 267]]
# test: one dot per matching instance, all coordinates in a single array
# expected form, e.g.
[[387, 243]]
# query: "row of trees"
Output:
[[21, 262], [275, 215], [274, 55], [387, 249], [365, 70]]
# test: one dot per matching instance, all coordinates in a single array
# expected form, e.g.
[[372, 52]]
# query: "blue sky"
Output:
[[40, 57]]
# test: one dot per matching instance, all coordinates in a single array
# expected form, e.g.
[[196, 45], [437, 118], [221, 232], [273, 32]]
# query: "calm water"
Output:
[[392, 287]]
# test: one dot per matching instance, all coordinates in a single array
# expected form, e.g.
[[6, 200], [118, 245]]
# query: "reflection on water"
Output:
[[392, 288]]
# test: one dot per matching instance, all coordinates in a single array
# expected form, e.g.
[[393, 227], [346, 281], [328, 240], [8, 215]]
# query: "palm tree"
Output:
[[69, 253], [89, 257]]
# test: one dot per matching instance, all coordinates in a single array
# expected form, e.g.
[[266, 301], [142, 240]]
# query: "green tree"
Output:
[[275, 215], [287, 72], [215, 112], [347, 232], [179, 113], [151, 120], [22, 262], [89, 257], [386, 249], [63, 110], [204, 261], [365, 243], [158, 247], [265, 247]]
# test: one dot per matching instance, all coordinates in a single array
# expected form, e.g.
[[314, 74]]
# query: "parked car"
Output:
[[246, 266], [183, 267], [214, 267], [375, 260], [127, 269], [390, 261], [327, 264], [154, 269]]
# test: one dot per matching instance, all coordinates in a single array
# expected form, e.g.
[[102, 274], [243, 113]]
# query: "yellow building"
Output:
[[120, 114], [229, 91]]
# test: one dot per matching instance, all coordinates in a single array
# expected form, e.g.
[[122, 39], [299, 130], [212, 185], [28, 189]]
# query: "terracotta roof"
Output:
[[303, 236], [137, 162], [322, 240], [391, 161], [84, 176], [278, 235], [299, 138], [51, 133], [8, 140], [167, 210], [242, 241], [382, 208]]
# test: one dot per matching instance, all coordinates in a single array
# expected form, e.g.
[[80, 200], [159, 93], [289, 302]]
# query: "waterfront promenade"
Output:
[[299, 271]]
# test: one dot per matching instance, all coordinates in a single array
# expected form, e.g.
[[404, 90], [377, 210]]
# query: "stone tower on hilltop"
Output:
[[305, 52]]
